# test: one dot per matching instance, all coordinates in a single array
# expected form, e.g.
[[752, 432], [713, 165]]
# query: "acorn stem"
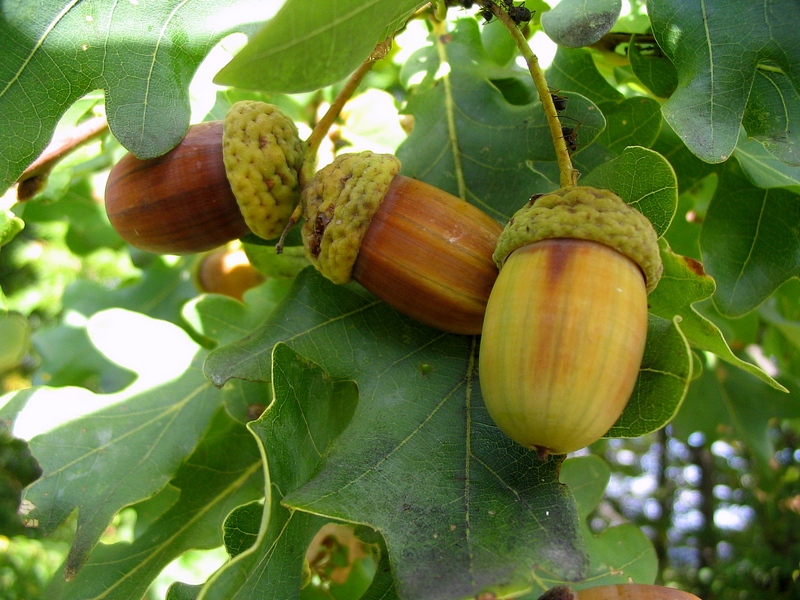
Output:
[[322, 126], [568, 174]]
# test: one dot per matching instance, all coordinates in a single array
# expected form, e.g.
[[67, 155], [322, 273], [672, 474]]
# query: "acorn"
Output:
[[620, 591], [566, 322], [222, 181], [227, 271], [421, 250]]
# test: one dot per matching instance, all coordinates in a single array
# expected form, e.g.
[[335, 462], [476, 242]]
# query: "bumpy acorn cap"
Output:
[[585, 213], [263, 155], [339, 204]]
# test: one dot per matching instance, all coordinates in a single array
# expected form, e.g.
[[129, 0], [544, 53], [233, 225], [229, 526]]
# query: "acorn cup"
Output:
[[421, 250], [566, 322], [224, 180]]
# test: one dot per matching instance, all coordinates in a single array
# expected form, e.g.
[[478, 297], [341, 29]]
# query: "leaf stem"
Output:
[[568, 174], [322, 126]]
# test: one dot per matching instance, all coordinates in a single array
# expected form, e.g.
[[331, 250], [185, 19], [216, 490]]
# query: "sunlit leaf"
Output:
[[469, 140], [124, 452], [645, 180], [577, 23], [731, 71], [312, 43], [142, 54], [224, 471]]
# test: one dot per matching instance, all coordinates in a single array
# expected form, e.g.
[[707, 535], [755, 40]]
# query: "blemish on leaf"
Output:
[[694, 265]]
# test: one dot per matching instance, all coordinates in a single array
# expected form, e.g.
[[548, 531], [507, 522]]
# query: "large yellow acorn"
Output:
[[566, 321]]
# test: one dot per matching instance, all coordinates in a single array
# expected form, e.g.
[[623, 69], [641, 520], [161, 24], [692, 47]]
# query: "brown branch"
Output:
[[34, 178]]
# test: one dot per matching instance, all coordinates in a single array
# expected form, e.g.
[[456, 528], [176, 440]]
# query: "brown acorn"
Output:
[[227, 271], [418, 248], [224, 180]]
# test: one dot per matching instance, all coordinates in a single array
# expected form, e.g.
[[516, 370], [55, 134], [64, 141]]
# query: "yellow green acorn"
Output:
[[566, 322]]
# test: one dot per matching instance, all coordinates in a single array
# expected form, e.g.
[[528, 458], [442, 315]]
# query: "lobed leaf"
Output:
[[645, 180], [738, 62], [141, 54], [224, 471], [420, 461], [490, 153], [683, 284], [308, 411], [662, 383], [749, 242]]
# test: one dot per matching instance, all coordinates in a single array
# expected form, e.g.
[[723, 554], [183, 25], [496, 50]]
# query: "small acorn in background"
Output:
[[227, 271], [421, 250], [566, 322], [224, 180]]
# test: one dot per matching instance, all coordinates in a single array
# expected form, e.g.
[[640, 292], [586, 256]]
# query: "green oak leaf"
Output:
[[469, 140], [645, 180], [223, 472], [578, 23], [750, 241], [662, 383], [620, 554], [720, 404], [403, 368], [17, 470], [309, 44], [15, 339], [419, 405], [183, 591], [634, 121], [683, 284], [128, 447], [652, 67], [308, 411], [763, 169], [738, 62], [141, 54], [10, 226]]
